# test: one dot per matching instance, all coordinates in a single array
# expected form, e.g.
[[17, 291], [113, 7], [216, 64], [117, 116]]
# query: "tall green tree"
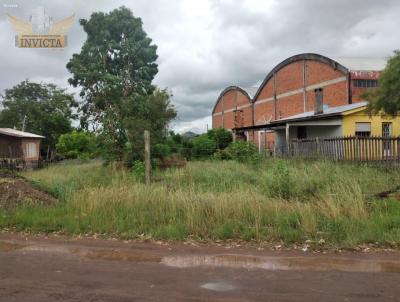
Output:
[[40, 108], [386, 98], [115, 69]]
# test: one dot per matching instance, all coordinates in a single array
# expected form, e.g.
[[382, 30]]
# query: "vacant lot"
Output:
[[321, 203]]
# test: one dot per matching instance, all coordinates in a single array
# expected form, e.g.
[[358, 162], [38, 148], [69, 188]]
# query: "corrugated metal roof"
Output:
[[362, 64], [17, 133], [327, 111]]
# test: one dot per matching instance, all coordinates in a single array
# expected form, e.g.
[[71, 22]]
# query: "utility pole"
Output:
[[147, 162]]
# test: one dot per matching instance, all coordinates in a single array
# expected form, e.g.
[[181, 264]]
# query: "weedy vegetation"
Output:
[[271, 201]]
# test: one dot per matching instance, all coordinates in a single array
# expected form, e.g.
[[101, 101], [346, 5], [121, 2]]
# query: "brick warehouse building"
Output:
[[297, 85]]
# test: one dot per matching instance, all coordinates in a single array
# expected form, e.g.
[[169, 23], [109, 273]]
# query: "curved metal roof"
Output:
[[300, 57]]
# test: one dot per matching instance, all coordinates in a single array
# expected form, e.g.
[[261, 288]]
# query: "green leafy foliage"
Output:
[[76, 144], [221, 137], [203, 146], [138, 170], [152, 112], [199, 147], [174, 144], [44, 109], [241, 151], [386, 97], [115, 69], [282, 185]]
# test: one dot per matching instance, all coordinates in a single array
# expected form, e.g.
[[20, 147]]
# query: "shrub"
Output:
[[138, 169], [203, 146], [281, 185], [245, 152], [161, 150], [221, 137], [76, 144]]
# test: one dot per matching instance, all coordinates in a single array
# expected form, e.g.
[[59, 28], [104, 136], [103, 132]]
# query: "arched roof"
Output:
[[229, 89], [304, 56]]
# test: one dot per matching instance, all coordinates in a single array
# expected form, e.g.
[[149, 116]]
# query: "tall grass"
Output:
[[277, 200]]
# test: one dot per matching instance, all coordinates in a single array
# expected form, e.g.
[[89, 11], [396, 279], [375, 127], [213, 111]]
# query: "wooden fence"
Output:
[[12, 163], [350, 148]]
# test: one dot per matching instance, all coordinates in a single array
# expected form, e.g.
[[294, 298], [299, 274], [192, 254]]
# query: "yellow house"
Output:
[[377, 125], [349, 120]]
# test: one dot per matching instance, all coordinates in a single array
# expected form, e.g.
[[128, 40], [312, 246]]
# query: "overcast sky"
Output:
[[206, 45]]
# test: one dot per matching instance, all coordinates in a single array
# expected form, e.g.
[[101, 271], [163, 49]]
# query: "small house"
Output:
[[328, 122], [20, 146]]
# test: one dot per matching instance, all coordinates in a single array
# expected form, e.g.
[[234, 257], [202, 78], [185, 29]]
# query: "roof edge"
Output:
[[229, 88], [298, 57], [18, 133]]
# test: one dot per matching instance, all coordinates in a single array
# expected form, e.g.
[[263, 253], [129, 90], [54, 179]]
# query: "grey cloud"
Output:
[[204, 49]]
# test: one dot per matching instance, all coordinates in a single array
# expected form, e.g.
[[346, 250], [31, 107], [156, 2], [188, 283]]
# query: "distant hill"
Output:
[[189, 134]]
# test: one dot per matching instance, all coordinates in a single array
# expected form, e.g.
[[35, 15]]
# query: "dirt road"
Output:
[[51, 269]]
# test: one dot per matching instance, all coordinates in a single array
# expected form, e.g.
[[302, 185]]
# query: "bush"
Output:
[[138, 169], [76, 144], [203, 146], [245, 152], [221, 137], [281, 185]]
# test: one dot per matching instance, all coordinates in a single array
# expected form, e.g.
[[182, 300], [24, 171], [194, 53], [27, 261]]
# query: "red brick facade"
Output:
[[234, 109], [289, 89]]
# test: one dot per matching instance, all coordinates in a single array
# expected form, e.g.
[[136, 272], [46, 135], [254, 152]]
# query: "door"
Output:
[[31, 151], [261, 140]]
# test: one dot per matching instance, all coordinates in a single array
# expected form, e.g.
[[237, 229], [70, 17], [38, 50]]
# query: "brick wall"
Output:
[[357, 92], [289, 77], [233, 109], [263, 112], [288, 91]]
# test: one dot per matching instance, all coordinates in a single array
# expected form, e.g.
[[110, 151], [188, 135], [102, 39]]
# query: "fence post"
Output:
[[287, 133], [147, 162]]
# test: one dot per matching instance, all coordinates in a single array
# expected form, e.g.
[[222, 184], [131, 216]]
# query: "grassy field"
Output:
[[274, 201]]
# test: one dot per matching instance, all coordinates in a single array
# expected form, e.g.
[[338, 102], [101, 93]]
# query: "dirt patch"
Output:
[[9, 247], [16, 191], [392, 194], [116, 255]]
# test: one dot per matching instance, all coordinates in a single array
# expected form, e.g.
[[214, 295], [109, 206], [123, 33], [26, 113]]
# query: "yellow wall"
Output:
[[350, 119]]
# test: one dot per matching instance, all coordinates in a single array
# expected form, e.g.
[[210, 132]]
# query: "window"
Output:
[[363, 129], [359, 83], [318, 101], [301, 132], [31, 150], [386, 129]]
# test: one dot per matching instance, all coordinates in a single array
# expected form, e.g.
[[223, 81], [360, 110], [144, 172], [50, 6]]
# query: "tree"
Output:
[[386, 97], [150, 112], [221, 136], [115, 69], [40, 108], [77, 144]]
